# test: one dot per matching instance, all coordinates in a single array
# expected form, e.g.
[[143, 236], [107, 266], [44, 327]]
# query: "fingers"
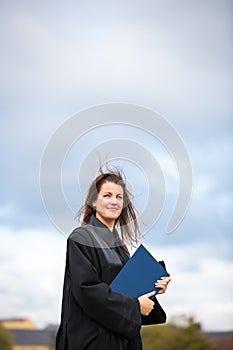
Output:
[[148, 295], [164, 280], [146, 304], [168, 279], [162, 284]]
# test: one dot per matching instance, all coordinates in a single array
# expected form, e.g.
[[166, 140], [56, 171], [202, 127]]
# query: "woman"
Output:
[[94, 317]]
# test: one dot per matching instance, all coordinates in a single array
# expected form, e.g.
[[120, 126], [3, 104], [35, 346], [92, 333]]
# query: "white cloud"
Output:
[[47, 56], [32, 263]]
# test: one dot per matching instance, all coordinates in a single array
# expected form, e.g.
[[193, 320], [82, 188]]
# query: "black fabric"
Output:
[[93, 316]]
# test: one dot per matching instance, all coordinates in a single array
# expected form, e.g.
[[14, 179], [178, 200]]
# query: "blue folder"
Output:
[[139, 274]]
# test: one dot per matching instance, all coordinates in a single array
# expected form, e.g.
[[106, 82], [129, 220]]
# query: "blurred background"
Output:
[[173, 57]]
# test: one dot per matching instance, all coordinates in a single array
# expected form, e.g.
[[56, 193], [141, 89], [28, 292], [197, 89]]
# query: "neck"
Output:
[[109, 223]]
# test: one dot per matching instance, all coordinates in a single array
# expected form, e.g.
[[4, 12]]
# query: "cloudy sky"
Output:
[[60, 58]]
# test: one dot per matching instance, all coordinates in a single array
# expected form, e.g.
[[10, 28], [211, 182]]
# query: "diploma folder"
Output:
[[139, 274]]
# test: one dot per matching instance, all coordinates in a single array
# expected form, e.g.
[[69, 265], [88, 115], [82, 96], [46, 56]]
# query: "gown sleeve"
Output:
[[114, 311], [156, 316]]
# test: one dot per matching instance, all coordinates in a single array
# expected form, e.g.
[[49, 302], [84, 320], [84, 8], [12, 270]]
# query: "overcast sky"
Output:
[[172, 57]]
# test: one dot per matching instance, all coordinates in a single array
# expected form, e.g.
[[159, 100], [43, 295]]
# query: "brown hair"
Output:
[[127, 220]]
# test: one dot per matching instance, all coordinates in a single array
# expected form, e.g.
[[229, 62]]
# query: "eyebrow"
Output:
[[119, 193]]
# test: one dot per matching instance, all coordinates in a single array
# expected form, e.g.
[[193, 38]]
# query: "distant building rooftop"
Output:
[[17, 323]]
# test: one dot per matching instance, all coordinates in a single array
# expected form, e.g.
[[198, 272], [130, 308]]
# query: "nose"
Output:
[[114, 200]]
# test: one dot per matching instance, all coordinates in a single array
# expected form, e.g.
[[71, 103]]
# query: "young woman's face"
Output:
[[109, 203]]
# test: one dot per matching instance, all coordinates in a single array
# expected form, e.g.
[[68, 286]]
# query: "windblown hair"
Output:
[[127, 220]]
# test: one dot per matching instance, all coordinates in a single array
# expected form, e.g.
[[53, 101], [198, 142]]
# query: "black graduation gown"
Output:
[[94, 317]]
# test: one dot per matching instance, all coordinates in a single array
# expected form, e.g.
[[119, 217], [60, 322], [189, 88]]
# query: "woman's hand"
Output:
[[146, 304], [162, 284]]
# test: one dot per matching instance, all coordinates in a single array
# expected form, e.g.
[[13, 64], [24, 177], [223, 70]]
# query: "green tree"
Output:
[[6, 340], [182, 334]]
